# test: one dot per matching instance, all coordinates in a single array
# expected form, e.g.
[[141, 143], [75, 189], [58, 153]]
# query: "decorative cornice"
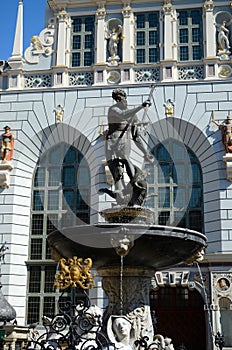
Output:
[[208, 6], [127, 10], [63, 16], [101, 11], [168, 8]]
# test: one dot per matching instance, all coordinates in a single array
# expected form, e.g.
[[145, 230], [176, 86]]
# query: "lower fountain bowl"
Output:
[[153, 246]]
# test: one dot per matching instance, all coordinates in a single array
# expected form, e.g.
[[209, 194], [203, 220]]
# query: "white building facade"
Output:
[[55, 97]]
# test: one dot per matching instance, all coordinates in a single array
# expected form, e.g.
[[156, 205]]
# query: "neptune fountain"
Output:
[[126, 250]]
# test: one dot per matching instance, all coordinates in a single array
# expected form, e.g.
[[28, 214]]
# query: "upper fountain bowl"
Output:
[[153, 246]]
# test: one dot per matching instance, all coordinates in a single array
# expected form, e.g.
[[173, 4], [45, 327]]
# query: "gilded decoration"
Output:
[[169, 108], [74, 272], [41, 45], [225, 71]]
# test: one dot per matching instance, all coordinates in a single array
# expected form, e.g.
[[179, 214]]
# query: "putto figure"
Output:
[[7, 144], [122, 127]]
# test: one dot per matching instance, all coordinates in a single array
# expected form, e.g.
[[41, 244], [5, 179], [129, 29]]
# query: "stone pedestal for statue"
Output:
[[5, 169], [227, 159], [133, 300], [224, 55]]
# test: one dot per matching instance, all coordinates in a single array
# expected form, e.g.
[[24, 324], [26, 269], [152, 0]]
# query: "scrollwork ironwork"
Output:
[[78, 325]]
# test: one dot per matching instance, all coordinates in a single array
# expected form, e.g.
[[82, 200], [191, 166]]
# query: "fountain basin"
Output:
[[154, 246]]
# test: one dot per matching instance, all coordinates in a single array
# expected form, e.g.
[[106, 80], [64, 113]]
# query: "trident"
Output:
[[143, 123]]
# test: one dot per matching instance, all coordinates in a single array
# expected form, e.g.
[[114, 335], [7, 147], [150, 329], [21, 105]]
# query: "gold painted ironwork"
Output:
[[74, 272]]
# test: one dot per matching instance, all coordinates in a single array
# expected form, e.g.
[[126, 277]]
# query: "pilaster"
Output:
[[170, 40], [64, 25], [209, 30], [128, 33], [168, 55], [100, 33]]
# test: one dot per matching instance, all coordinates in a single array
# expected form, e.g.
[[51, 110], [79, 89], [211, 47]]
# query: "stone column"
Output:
[[129, 295], [100, 33], [209, 30], [128, 34]]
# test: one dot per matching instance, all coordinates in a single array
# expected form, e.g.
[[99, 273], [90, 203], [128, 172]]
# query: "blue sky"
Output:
[[34, 11]]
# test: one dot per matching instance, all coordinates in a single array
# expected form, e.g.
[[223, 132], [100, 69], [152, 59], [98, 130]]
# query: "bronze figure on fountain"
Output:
[[122, 128]]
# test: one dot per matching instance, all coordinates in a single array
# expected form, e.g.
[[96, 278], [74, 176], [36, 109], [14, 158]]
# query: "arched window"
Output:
[[175, 186], [60, 198]]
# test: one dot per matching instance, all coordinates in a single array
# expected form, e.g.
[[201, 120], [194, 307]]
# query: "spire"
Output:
[[16, 59]]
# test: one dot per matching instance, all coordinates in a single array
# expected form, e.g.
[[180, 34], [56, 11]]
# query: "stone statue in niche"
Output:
[[113, 35], [7, 144], [223, 25], [223, 37]]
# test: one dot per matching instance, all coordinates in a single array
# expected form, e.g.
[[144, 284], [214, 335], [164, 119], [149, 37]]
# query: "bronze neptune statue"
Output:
[[122, 127]]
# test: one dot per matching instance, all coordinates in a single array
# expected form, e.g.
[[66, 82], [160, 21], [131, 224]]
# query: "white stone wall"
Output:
[[31, 117]]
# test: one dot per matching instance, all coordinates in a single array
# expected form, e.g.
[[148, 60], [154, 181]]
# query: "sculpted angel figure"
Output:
[[113, 36]]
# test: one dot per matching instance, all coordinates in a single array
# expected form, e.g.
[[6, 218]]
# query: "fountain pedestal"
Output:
[[134, 301], [126, 251]]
